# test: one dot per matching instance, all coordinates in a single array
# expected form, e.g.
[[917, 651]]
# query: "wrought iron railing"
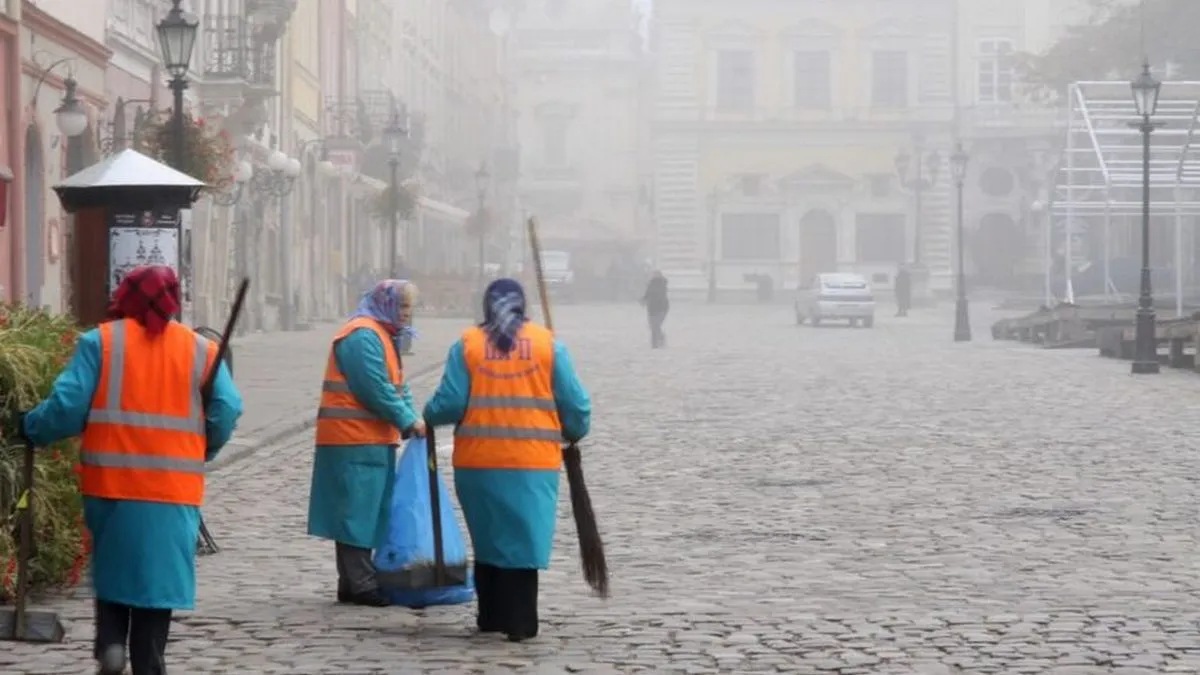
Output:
[[234, 49]]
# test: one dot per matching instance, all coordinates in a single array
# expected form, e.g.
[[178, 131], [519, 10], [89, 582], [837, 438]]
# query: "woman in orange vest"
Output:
[[132, 390], [365, 407], [512, 392]]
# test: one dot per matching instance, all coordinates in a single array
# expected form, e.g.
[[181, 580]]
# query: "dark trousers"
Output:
[[506, 600], [356, 570], [656, 319], [145, 631]]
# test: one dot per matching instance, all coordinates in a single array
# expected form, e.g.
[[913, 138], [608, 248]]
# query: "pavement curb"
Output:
[[239, 448]]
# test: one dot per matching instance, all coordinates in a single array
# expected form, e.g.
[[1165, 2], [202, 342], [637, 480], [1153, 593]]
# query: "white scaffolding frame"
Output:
[[1100, 173]]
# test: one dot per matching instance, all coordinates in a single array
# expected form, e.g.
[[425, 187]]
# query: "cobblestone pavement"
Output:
[[779, 499]]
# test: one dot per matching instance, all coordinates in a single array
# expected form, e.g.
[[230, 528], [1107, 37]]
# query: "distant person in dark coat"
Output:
[[657, 305], [903, 288]]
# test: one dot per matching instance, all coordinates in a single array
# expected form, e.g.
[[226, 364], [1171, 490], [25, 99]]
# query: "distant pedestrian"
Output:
[[657, 305], [903, 288]]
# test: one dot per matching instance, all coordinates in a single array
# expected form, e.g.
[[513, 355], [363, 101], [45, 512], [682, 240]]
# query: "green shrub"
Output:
[[34, 348]]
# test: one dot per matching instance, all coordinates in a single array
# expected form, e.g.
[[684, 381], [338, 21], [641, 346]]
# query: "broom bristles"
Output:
[[591, 547]]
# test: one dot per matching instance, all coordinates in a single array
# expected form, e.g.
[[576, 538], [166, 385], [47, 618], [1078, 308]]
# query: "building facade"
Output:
[[775, 134], [789, 140], [579, 82], [61, 42]]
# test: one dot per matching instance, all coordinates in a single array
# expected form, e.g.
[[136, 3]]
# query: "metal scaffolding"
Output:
[[1100, 172]]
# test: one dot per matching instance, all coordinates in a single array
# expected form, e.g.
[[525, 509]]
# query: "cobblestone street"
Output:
[[774, 498]]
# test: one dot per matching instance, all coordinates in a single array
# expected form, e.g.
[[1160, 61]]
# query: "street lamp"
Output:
[[280, 177], [69, 116], [242, 173], [1145, 98], [481, 184], [962, 320], [394, 136], [176, 38]]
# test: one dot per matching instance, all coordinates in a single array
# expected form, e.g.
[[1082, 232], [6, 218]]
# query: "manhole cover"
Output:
[[1054, 513]]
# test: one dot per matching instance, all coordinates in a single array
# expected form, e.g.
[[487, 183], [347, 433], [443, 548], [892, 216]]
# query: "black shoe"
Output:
[[371, 598], [344, 597], [521, 637]]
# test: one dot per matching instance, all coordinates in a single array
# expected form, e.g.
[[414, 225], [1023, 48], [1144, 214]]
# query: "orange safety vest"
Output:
[[341, 419], [145, 437], [511, 420]]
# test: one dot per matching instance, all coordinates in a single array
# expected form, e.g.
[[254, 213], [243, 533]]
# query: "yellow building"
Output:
[[775, 137], [779, 132], [311, 272]]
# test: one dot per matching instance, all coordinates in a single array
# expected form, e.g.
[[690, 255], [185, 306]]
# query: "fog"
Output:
[[744, 148]]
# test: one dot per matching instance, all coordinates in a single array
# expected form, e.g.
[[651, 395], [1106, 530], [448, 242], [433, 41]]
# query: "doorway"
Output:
[[35, 217], [818, 244]]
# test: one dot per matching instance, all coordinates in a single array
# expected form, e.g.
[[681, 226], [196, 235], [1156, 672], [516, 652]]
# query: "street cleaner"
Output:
[[366, 406], [133, 390], [512, 392]]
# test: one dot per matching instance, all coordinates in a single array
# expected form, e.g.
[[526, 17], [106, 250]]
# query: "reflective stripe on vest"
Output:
[[194, 422], [145, 433], [341, 419], [511, 420]]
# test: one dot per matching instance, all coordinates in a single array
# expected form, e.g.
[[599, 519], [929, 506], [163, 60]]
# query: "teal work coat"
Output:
[[510, 513], [143, 553], [351, 490]]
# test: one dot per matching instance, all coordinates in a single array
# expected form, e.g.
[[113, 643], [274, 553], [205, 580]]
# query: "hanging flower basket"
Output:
[[404, 202], [209, 154]]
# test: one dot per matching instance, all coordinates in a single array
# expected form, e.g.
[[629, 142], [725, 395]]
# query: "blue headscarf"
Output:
[[385, 303], [503, 313]]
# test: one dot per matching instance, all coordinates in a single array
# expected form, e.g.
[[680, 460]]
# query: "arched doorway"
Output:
[[818, 244], [35, 217], [996, 249]]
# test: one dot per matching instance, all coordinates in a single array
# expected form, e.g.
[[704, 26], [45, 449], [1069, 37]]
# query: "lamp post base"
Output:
[[962, 321], [1145, 360]]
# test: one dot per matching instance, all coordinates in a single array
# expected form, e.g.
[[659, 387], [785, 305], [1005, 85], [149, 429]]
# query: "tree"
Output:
[[1110, 45]]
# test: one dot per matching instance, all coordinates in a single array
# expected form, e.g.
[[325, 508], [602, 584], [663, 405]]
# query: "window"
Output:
[[889, 79], [750, 236], [879, 237], [996, 71], [810, 72], [554, 140], [735, 79]]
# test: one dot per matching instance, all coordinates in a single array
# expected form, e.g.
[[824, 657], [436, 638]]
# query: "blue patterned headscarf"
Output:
[[385, 303], [503, 313]]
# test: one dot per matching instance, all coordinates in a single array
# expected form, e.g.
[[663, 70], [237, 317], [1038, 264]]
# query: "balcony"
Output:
[[235, 49]]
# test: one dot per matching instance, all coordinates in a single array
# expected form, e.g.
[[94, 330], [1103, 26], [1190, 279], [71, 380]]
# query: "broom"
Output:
[[591, 547]]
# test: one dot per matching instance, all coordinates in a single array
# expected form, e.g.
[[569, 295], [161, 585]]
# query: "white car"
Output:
[[837, 297]]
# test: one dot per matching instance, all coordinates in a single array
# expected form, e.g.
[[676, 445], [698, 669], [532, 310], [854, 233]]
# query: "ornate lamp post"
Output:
[[1145, 97], [394, 136], [481, 185], [70, 117], [176, 38], [962, 319], [918, 172]]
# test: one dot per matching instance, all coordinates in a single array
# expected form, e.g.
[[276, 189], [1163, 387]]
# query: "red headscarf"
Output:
[[148, 295]]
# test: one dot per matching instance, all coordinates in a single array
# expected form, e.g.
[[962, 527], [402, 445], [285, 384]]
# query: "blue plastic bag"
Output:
[[405, 560]]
